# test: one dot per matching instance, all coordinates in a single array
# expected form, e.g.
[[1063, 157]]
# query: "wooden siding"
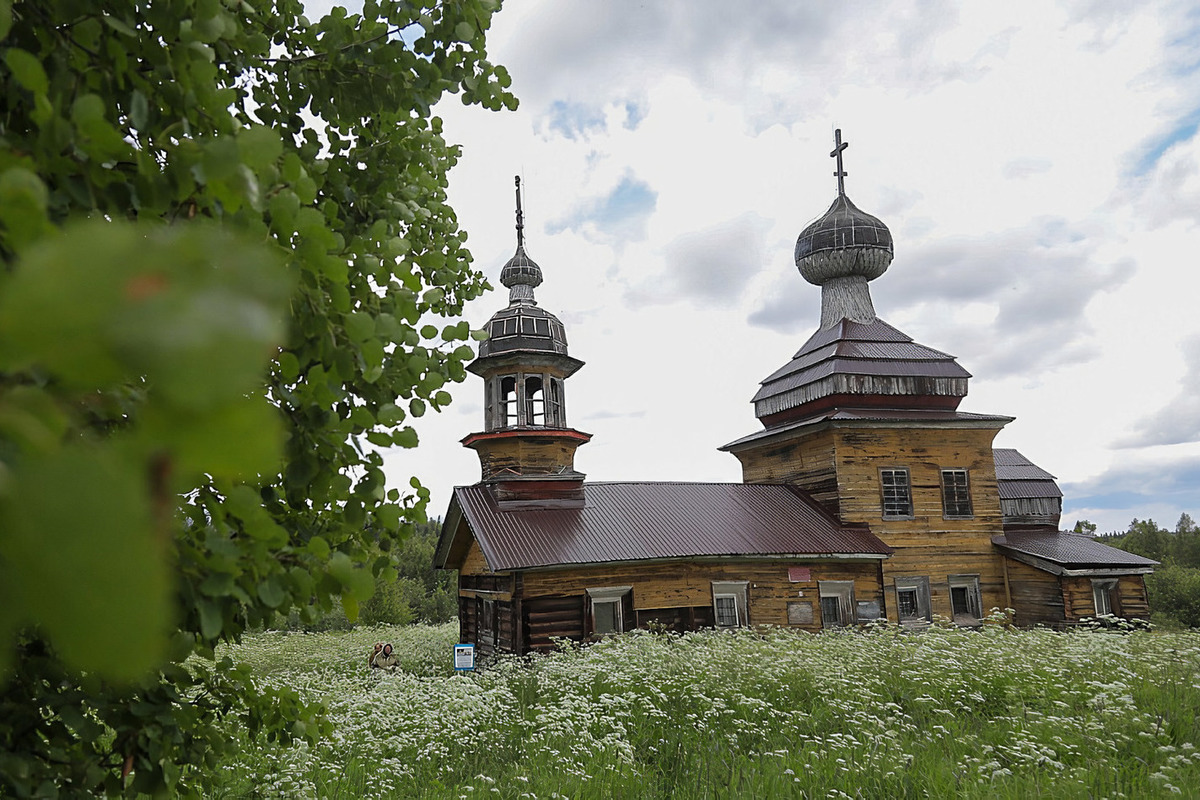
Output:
[[806, 461], [928, 544], [673, 587], [474, 563], [526, 454], [1037, 596]]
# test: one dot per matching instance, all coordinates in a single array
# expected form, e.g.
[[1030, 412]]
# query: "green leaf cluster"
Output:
[[225, 248]]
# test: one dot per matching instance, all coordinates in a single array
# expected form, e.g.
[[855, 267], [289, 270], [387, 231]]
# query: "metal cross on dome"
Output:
[[838, 147], [520, 216]]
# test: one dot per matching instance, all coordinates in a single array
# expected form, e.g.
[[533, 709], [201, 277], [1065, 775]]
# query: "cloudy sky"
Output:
[[1038, 164]]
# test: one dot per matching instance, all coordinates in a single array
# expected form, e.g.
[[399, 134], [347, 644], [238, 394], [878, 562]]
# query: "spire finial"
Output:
[[838, 147], [520, 214]]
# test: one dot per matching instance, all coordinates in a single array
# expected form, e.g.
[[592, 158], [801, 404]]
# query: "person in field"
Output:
[[384, 656]]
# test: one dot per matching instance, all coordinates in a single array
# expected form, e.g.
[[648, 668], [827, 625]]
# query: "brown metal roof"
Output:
[[1069, 550], [1011, 465], [855, 348], [1020, 490], [648, 521]]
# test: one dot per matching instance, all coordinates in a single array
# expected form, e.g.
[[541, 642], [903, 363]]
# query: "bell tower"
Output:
[[526, 449]]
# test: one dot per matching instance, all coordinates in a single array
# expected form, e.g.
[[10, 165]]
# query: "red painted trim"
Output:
[[527, 433]]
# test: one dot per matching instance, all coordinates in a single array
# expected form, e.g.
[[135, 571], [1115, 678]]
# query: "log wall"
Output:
[[806, 461], [681, 592], [1037, 596], [1080, 601]]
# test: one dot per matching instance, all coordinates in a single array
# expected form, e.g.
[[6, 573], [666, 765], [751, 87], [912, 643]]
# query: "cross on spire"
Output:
[[520, 215], [839, 146]]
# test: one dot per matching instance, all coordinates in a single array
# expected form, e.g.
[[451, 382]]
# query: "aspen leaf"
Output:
[[105, 532], [27, 70]]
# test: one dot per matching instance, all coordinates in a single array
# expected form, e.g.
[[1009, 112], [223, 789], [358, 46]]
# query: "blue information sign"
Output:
[[464, 657]]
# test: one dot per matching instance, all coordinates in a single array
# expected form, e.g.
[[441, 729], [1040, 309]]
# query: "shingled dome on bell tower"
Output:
[[843, 250]]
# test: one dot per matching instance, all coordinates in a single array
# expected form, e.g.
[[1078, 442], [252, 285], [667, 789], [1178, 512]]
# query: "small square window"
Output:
[[730, 603], [912, 600], [1104, 593], [606, 609], [607, 616], [837, 603], [726, 610], [965, 604], [956, 493], [897, 494]]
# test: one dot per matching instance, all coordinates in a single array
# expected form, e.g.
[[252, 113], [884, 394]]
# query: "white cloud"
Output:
[[1033, 160]]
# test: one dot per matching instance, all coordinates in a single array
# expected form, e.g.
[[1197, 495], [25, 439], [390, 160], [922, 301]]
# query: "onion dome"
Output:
[[521, 275], [845, 241], [522, 325], [841, 252]]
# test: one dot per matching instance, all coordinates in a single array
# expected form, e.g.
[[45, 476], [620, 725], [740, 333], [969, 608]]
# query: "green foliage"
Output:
[[1174, 592], [876, 713], [1174, 588], [223, 230]]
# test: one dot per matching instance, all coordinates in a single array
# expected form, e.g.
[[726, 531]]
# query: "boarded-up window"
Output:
[[897, 495], [730, 603], [956, 493], [837, 603], [800, 613]]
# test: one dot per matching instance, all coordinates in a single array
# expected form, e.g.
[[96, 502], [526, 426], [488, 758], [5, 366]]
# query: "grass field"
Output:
[[754, 713]]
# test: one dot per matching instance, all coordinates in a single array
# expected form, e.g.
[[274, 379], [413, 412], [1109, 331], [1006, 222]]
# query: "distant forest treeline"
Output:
[[1174, 588]]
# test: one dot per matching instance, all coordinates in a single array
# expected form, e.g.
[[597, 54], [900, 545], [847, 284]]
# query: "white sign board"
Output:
[[464, 656]]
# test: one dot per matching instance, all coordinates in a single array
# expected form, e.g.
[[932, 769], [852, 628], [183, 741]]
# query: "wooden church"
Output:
[[867, 493]]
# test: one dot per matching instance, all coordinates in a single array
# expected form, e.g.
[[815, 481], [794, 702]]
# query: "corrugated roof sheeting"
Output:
[[1069, 549], [1015, 490], [644, 521], [1011, 465]]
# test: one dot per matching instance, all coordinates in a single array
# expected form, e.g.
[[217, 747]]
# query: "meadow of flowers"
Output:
[[757, 713]]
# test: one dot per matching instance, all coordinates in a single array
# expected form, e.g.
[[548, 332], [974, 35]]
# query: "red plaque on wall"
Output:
[[799, 574]]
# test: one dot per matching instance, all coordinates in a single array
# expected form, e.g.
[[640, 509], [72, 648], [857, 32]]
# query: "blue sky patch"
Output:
[[574, 120], [1185, 128], [621, 214]]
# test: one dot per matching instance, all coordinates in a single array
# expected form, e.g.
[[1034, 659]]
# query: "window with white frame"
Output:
[[606, 609], [897, 493], [730, 603], [912, 600], [956, 493], [837, 603], [966, 607], [1104, 593]]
